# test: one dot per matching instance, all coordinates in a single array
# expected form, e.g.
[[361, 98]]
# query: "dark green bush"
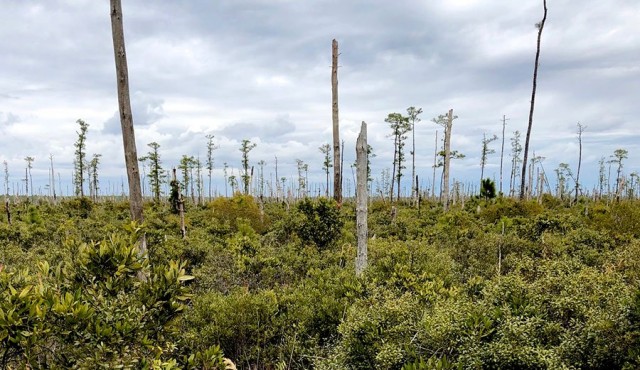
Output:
[[320, 221]]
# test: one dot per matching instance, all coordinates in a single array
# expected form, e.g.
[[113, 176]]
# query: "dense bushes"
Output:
[[105, 308], [513, 286]]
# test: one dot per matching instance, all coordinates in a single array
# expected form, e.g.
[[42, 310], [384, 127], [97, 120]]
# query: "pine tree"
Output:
[[245, 148], [400, 126], [157, 175], [325, 149], [93, 172], [80, 157]]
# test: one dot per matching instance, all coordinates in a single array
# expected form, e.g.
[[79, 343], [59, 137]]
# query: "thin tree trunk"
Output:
[[126, 119], [362, 199], [504, 124], [337, 173], [414, 191], [341, 168], [393, 172], [447, 159], [277, 181], [533, 100], [580, 130]]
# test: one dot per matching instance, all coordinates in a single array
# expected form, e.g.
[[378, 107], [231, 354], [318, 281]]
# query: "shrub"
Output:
[[320, 221], [240, 207], [105, 308]]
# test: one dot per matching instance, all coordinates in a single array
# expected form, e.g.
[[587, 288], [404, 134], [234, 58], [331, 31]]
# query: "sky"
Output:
[[260, 70]]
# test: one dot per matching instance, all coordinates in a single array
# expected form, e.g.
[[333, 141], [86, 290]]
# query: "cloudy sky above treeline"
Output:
[[260, 70]]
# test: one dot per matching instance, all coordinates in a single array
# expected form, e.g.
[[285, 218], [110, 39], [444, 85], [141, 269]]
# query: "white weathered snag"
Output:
[[362, 199]]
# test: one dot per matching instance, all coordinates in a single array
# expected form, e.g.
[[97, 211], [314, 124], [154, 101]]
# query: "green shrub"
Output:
[[230, 211], [105, 308], [320, 221]]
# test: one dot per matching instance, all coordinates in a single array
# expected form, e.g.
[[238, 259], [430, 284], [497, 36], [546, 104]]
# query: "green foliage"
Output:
[[320, 222], [433, 363], [517, 285], [377, 331], [487, 189], [80, 207], [232, 211], [79, 160], [105, 308]]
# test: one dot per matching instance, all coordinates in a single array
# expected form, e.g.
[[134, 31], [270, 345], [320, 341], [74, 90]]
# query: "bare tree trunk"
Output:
[[418, 195], [393, 172], [533, 100], [126, 119], [580, 130], [362, 199], [337, 173], [183, 228], [341, 167], [540, 186], [530, 181], [504, 124], [447, 159]]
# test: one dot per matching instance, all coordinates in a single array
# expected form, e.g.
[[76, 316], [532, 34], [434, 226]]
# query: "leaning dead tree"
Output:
[[126, 119], [362, 199], [533, 100], [337, 174]]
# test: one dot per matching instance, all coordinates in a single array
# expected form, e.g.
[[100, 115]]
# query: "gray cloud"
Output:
[[8, 118], [270, 131], [146, 111], [231, 68]]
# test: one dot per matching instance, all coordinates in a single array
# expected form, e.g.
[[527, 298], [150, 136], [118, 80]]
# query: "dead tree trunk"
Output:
[[580, 130], [533, 100], [504, 124], [362, 199], [337, 178], [126, 119], [447, 159]]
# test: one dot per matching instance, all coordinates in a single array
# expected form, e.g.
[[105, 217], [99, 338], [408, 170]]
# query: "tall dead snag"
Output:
[[504, 124], [126, 119], [337, 178], [580, 131], [362, 199], [533, 100], [447, 159]]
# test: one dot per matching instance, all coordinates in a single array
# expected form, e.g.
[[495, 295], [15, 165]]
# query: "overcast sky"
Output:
[[260, 70]]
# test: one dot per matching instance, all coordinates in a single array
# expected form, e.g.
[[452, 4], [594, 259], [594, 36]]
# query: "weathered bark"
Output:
[[362, 199], [580, 130], [447, 159], [126, 119], [393, 172], [504, 124], [418, 195], [337, 174], [533, 100]]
